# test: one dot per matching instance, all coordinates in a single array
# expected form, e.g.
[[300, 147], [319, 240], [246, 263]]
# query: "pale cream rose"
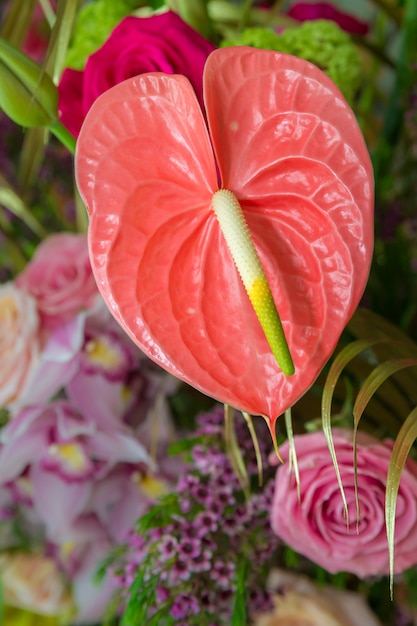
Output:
[[33, 582], [298, 602], [19, 341]]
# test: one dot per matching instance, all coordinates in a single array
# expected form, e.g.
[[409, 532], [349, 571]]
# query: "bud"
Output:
[[27, 94]]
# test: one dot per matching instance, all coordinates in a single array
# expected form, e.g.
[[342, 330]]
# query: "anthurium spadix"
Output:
[[215, 303]]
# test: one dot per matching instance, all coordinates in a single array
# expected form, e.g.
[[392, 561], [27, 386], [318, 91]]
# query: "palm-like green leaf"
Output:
[[400, 452], [346, 355], [383, 362], [12, 201]]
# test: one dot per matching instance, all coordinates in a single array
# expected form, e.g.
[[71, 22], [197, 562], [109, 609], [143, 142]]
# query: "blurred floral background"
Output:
[[125, 496]]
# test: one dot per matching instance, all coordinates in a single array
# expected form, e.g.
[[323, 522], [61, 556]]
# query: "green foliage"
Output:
[[27, 93], [94, 22], [390, 353], [255, 36], [321, 42], [239, 615]]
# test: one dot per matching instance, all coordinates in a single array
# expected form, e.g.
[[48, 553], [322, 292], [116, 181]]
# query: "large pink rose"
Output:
[[19, 341], [316, 527], [161, 43], [60, 278]]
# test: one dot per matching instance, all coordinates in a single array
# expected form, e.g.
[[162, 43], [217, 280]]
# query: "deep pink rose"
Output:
[[306, 11], [161, 43], [316, 527], [60, 279]]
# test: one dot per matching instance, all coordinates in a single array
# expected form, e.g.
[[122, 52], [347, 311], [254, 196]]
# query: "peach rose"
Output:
[[19, 341], [33, 582], [297, 601]]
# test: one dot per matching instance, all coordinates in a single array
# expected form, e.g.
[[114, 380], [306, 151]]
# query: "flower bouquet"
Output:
[[208, 312]]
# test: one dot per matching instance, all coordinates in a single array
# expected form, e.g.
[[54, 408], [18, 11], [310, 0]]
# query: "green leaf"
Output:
[[375, 379], [1, 601], [255, 442], [293, 454], [10, 199], [160, 514], [402, 446], [60, 37], [140, 597], [233, 451], [341, 360], [17, 21], [27, 93], [239, 614]]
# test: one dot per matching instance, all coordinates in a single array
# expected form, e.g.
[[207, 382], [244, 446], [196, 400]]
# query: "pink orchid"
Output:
[[62, 455], [218, 301]]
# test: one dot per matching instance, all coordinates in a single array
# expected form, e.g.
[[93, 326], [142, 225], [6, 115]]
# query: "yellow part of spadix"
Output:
[[236, 233]]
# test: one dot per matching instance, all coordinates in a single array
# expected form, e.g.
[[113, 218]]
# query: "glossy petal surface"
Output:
[[289, 148]]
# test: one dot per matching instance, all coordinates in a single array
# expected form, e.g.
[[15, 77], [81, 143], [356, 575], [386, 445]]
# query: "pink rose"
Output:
[[19, 340], [60, 279], [307, 11], [316, 527], [161, 43]]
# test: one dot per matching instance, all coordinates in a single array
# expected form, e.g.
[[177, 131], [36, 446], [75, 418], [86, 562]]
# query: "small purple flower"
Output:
[[186, 482], [222, 574], [162, 594], [180, 571], [205, 522], [201, 562], [189, 548], [208, 460], [231, 526], [201, 493], [242, 513], [168, 547], [157, 533], [189, 531], [260, 601], [184, 605]]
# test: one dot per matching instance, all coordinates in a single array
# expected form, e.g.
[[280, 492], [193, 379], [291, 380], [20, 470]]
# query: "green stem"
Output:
[[63, 135], [245, 17]]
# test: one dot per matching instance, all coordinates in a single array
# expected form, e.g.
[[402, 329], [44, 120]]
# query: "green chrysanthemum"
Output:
[[321, 42], [94, 23]]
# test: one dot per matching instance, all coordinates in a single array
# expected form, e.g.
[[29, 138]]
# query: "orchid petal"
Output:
[[58, 502]]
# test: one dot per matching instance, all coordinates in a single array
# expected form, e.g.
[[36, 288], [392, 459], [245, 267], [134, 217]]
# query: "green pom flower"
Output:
[[321, 42], [94, 23]]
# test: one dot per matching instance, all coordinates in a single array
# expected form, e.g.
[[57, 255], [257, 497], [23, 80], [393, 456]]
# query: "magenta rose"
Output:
[[316, 527], [161, 43], [307, 11], [60, 278]]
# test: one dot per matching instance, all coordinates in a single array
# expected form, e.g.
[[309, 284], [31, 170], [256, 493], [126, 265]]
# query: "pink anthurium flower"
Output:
[[200, 236]]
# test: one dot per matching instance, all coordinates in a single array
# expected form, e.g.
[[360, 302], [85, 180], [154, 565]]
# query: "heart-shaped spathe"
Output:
[[288, 146]]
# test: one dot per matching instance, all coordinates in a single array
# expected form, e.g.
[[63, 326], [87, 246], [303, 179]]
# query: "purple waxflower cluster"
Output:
[[80, 402], [203, 535]]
